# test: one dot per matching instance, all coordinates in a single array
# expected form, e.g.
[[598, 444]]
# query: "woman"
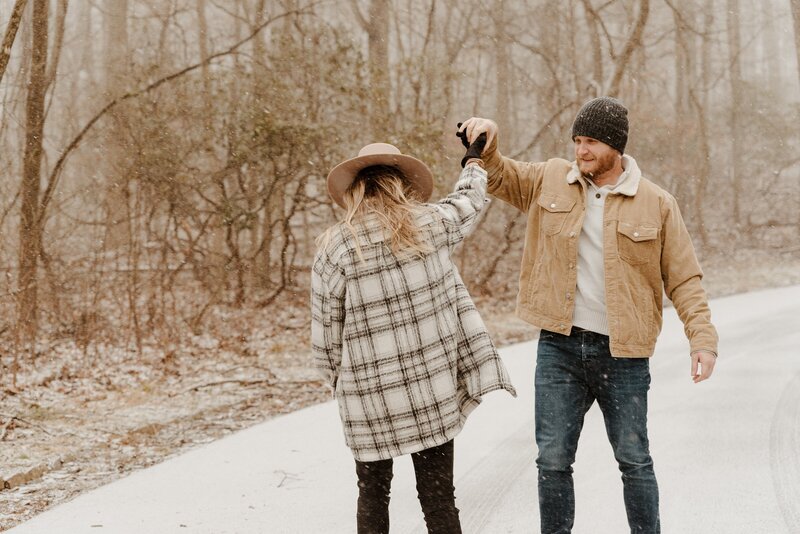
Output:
[[394, 330]]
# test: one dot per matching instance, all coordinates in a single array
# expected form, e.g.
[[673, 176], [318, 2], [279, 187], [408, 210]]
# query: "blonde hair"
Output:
[[382, 190]]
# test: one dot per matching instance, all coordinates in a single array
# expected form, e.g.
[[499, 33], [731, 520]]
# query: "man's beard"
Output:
[[604, 164]]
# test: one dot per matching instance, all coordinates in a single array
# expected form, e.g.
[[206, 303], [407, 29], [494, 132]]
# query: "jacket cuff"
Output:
[[492, 159], [704, 350]]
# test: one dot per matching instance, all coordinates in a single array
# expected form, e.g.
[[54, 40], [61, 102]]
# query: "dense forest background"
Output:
[[162, 162]]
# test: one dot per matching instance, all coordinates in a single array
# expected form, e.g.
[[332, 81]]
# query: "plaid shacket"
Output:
[[398, 338]]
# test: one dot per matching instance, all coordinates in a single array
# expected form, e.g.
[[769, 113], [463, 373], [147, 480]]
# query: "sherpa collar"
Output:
[[628, 182]]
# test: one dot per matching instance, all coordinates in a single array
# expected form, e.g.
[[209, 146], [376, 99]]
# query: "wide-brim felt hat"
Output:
[[415, 172]]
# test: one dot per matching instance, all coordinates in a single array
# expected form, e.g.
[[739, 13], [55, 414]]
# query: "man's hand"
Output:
[[474, 126], [705, 361]]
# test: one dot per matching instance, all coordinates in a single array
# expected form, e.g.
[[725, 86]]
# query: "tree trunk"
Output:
[[376, 24], [202, 40], [681, 63], [84, 84], [684, 143], [701, 104], [593, 24], [30, 232], [734, 51], [215, 260], [378, 33], [502, 72], [796, 17], [703, 172], [115, 13], [260, 227], [633, 42], [708, 27], [58, 42], [771, 50], [259, 49]]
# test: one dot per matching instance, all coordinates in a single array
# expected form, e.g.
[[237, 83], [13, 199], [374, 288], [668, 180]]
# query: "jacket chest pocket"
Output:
[[637, 243], [554, 212]]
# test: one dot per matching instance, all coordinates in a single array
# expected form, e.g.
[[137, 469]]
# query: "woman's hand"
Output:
[[475, 149]]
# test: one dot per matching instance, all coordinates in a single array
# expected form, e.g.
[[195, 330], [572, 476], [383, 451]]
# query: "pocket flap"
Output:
[[376, 236], [555, 203], [637, 232]]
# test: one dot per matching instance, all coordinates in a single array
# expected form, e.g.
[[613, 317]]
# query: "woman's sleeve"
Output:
[[460, 209], [327, 317]]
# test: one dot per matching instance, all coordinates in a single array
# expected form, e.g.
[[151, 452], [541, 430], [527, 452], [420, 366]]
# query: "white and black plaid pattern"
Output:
[[398, 338]]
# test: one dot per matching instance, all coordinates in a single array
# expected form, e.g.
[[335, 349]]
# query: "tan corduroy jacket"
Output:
[[647, 251]]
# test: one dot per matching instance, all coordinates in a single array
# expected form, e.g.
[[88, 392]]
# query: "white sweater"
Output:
[[590, 295]]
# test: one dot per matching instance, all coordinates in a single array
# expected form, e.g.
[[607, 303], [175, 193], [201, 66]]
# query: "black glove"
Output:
[[462, 135], [475, 149]]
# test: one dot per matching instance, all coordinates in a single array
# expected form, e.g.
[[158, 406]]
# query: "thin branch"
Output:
[[685, 23], [246, 382], [5, 428], [11, 34], [362, 21], [8, 208], [543, 129], [587, 4], [25, 421]]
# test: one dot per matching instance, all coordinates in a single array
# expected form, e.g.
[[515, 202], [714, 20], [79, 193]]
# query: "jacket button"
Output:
[[572, 234], [635, 234], [552, 205]]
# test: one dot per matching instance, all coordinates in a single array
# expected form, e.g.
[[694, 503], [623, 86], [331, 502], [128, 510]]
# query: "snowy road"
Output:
[[726, 455]]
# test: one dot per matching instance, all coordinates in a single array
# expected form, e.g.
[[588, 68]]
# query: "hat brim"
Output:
[[415, 172]]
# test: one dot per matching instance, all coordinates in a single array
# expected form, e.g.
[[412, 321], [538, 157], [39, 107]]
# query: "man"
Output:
[[602, 244]]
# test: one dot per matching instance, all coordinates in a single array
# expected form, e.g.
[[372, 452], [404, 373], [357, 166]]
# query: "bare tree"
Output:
[[30, 233]]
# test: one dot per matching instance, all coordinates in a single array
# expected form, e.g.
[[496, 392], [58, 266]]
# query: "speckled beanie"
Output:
[[605, 119]]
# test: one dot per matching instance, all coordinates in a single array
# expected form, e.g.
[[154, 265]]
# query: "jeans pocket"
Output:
[[632, 372]]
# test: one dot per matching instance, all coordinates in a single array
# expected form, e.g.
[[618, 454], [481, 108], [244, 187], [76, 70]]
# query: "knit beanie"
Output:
[[605, 119]]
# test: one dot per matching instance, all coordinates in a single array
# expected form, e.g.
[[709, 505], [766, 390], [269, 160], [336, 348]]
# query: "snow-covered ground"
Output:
[[726, 451]]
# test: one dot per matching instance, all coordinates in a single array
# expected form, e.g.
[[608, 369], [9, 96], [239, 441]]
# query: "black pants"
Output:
[[434, 471]]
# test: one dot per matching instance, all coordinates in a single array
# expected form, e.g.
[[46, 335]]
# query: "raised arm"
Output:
[[460, 209], [512, 181]]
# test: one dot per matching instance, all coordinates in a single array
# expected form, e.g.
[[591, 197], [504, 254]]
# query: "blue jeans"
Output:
[[571, 373]]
